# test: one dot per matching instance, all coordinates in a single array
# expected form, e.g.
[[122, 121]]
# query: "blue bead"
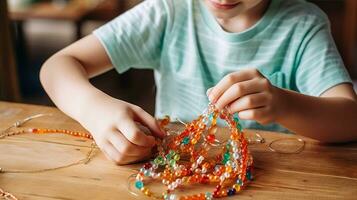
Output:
[[249, 175], [139, 184], [208, 196], [231, 191], [210, 117], [186, 140]]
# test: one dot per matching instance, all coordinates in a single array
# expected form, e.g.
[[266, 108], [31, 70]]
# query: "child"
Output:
[[271, 61]]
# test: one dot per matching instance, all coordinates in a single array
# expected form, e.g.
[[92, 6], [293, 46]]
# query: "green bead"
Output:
[[249, 175], [177, 157], [186, 140], [228, 146], [172, 162], [224, 161], [239, 127], [168, 156], [227, 156], [236, 117], [139, 184], [240, 182], [172, 152], [159, 160]]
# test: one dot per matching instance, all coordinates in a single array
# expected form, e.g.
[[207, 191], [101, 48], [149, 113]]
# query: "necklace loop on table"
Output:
[[297, 151], [8, 133]]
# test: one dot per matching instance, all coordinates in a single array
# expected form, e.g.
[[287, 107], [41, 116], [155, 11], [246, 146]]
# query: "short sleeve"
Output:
[[320, 66], [135, 38]]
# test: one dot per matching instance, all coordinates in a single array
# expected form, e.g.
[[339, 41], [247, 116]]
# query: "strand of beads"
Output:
[[230, 170], [61, 131]]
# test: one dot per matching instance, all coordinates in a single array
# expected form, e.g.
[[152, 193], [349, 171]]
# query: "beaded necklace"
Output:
[[8, 133], [232, 167]]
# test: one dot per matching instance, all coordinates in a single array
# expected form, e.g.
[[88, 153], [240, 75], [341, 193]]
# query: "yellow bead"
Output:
[[237, 187]]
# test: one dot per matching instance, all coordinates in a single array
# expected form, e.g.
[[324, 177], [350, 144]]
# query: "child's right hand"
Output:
[[114, 126]]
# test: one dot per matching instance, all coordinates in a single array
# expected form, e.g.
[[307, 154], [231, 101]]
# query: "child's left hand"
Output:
[[250, 94]]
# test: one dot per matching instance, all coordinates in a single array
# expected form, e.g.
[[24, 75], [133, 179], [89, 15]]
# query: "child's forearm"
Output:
[[67, 83], [325, 119]]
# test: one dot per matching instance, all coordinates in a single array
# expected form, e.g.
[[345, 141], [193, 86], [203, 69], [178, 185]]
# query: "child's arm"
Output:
[[111, 122], [329, 118]]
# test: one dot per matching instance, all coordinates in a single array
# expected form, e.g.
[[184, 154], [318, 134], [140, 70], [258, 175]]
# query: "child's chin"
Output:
[[224, 15]]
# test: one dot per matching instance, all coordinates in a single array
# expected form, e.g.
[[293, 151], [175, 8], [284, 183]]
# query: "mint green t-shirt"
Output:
[[189, 52]]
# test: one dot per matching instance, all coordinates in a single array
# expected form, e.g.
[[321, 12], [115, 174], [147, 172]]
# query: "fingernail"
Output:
[[211, 99], [208, 91]]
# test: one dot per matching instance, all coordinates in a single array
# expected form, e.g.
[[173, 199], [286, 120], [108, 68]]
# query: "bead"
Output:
[[172, 162], [231, 191], [173, 197], [139, 184], [249, 175], [198, 168], [236, 187], [186, 140], [159, 160], [240, 182], [211, 138], [227, 156], [177, 157], [208, 196]]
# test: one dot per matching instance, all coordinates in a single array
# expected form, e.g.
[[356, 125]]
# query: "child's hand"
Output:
[[250, 94], [114, 126]]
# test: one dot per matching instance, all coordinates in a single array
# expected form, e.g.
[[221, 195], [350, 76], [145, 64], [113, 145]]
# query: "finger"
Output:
[[248, 102], [125, 147], [136, 136], [112, 154], [231, 79], [257, 114], [238, 90], [149, 121]]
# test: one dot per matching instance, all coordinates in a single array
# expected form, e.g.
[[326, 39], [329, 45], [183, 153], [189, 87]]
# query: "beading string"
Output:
[[8, 133]]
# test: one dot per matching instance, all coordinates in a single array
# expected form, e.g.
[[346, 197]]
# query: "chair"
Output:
[[9, 86]]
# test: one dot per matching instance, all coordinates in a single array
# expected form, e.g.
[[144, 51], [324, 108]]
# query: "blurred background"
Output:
[[33, 30]]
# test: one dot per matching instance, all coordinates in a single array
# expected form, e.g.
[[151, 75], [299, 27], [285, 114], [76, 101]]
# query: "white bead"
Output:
[[222, 178], [204, 170], [179, 181], [236, 155], [171, 187], [200, 159], [174, 184], [173, 197], [227, 175]]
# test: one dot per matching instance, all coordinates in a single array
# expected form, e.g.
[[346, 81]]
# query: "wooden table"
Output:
[[319, 172]]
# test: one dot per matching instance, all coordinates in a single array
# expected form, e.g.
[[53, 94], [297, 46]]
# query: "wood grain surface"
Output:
[[318, 172]]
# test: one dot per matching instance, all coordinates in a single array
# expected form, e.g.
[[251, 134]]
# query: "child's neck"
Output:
[[244, 20]]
